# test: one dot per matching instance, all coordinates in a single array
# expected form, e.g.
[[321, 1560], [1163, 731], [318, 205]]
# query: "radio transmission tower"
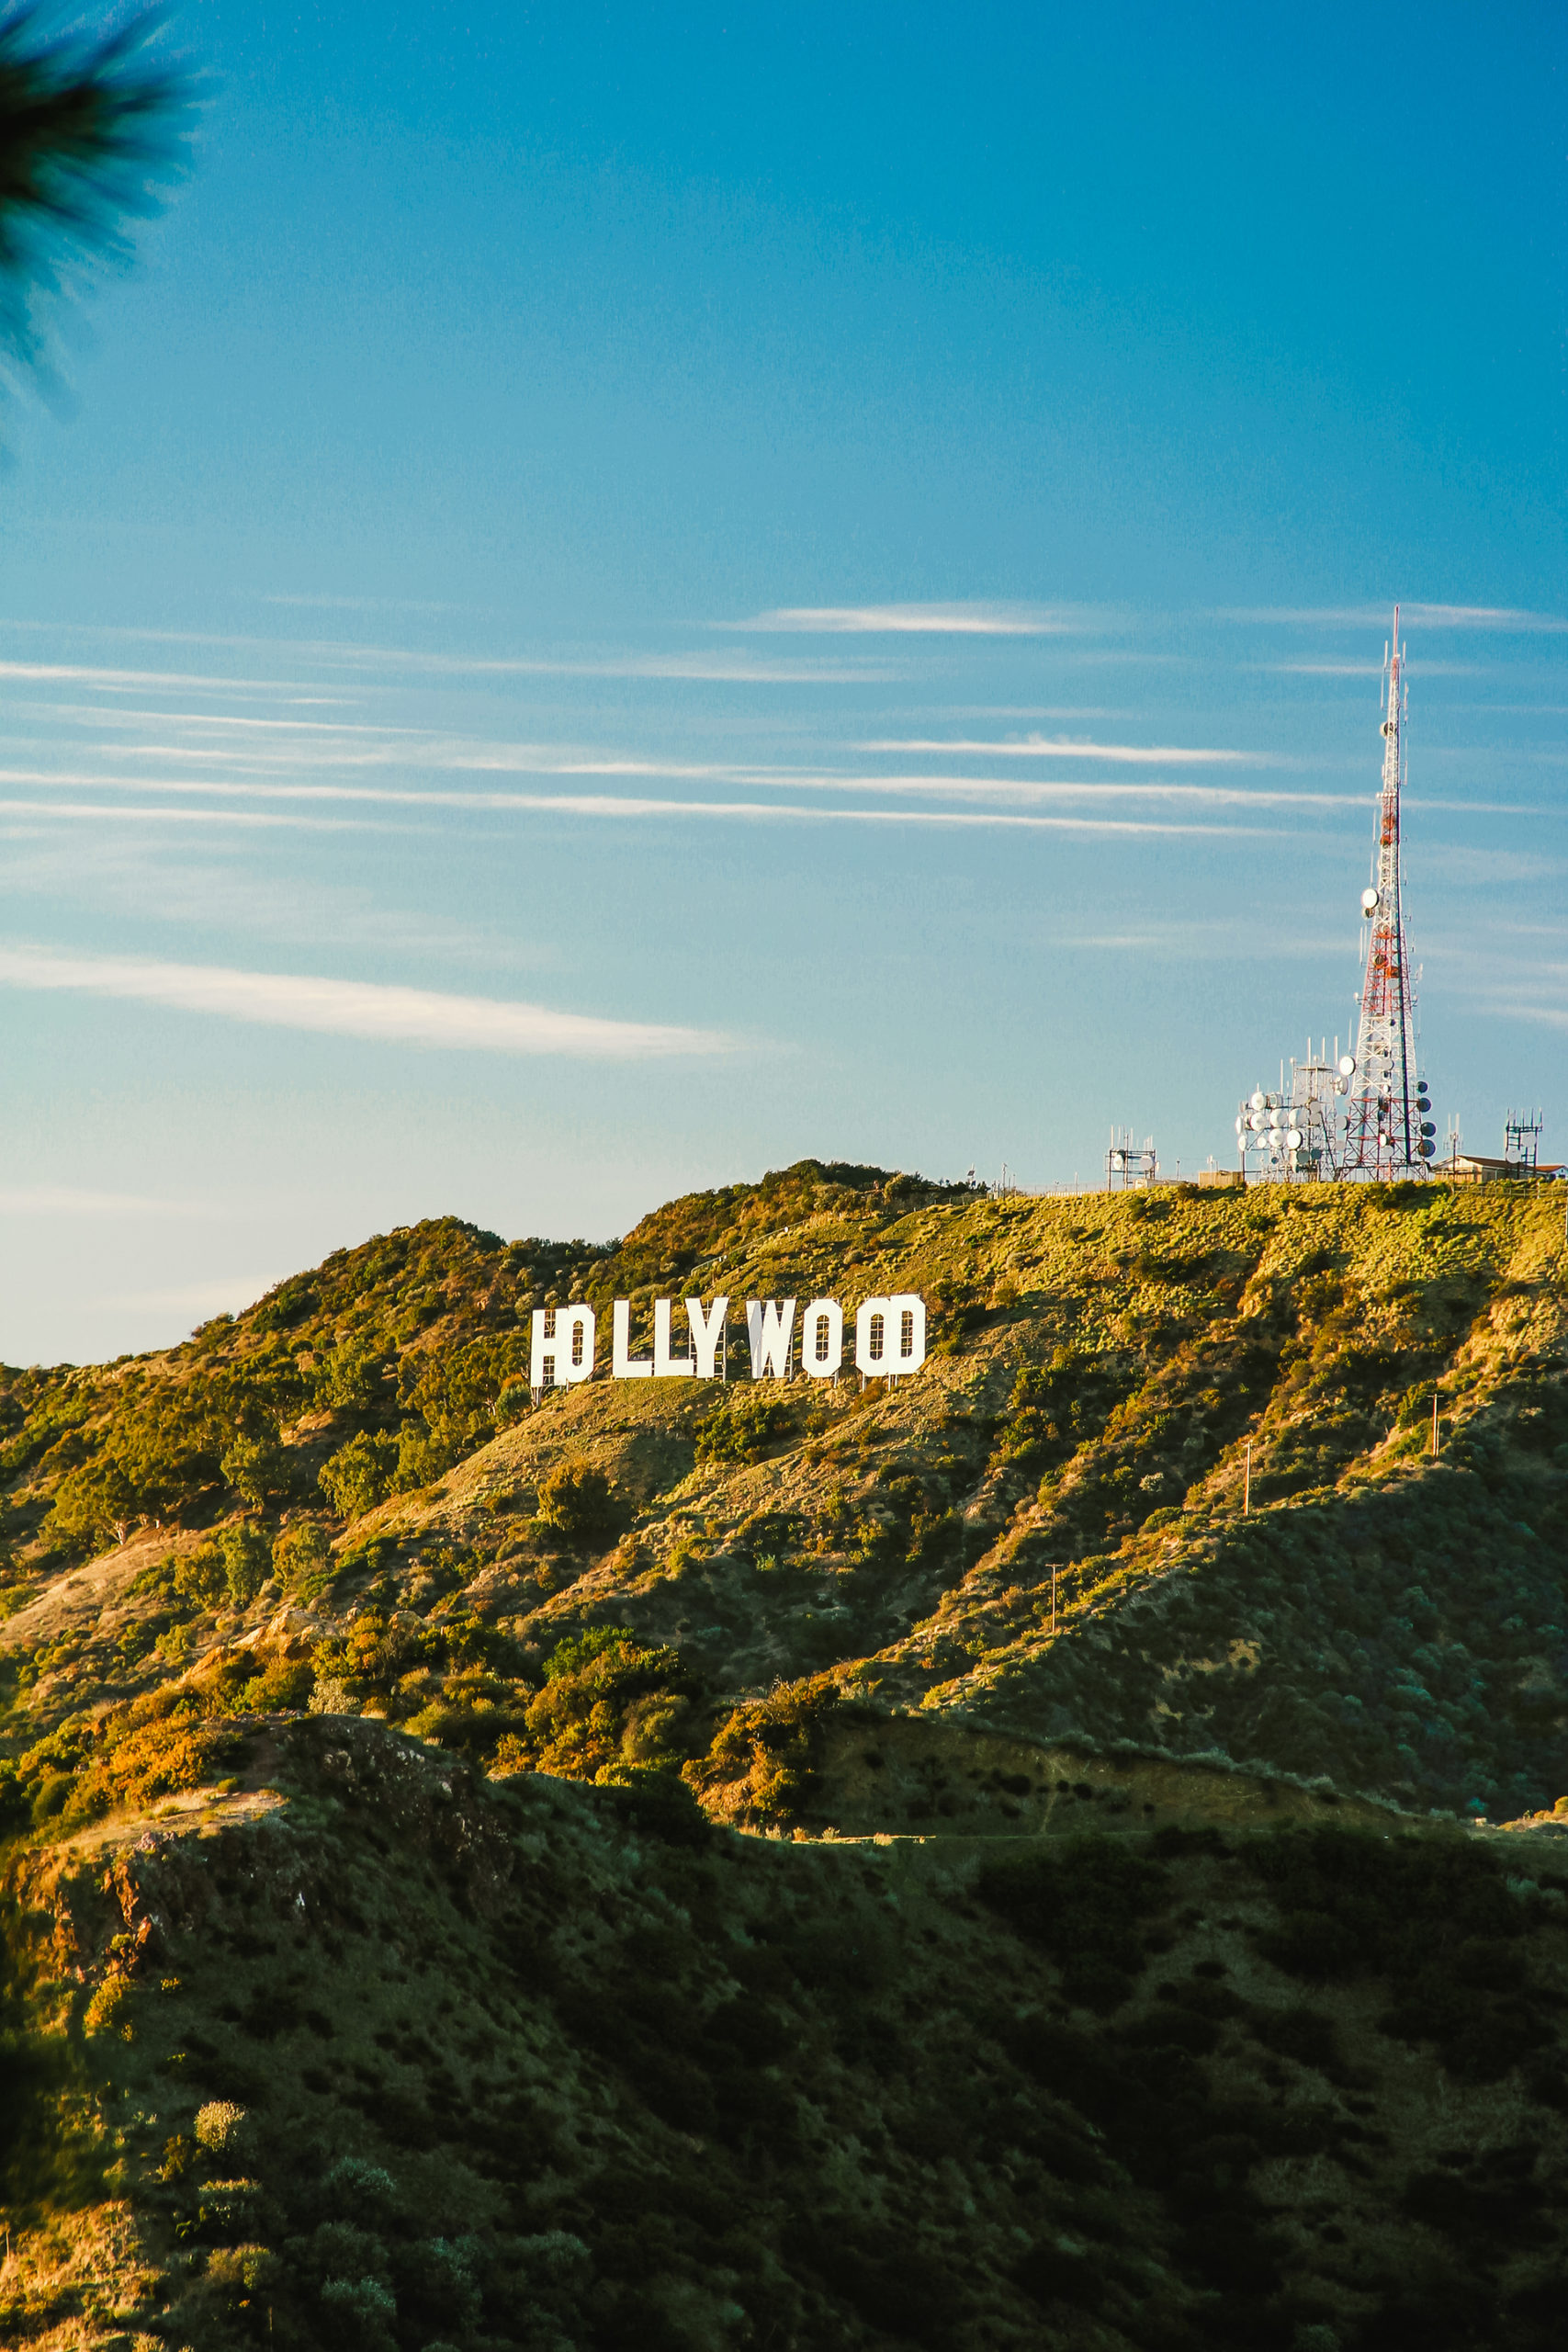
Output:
[[1389, 1128]]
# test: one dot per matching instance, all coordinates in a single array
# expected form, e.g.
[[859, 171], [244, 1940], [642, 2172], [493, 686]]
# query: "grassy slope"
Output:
[[1396, 1625], [527, 2063], [1168, 2039]]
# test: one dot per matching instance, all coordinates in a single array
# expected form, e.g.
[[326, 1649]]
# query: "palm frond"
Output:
[[92, 130]]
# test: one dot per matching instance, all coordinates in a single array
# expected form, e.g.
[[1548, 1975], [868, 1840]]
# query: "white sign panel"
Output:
[[890, 1341]]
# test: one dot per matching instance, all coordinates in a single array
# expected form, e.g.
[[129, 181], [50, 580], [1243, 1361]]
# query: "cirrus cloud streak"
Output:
[[364, 1009]]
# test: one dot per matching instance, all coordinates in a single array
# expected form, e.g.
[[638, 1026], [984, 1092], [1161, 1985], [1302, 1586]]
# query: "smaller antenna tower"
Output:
[[1521, 1141], [1129, 1165]]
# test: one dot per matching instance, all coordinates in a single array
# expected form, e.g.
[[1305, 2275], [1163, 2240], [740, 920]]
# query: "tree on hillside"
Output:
[[91, 129]]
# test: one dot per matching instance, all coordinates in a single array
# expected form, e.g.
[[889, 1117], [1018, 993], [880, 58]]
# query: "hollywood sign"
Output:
[[890, 1341]]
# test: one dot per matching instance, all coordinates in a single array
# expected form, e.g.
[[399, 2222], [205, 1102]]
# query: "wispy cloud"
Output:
[[369, 604], [118, 681], [1368, 669], [78, 811], [72, 1200], [1084, 788], [1503, 619], [713, 667], [608, 804], [1010, 789], [351, 1008], [1036, 747], [913, 620]]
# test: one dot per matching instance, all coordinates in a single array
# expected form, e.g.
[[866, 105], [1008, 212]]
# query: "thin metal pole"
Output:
[[1246, 1487]]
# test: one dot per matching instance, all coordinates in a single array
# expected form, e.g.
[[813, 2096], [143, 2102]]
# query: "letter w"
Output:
[[770, 1326]]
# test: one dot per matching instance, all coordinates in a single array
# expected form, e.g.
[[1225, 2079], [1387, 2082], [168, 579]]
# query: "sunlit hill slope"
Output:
[[1123, 1951]]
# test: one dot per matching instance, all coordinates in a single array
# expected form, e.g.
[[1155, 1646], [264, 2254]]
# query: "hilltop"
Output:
[[1042, 1534], [1118, 1965]]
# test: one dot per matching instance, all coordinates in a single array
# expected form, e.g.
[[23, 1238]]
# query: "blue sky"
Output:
[[625, 595]]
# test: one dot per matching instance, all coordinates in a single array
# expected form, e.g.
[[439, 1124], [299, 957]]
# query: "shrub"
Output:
[[284, 1688], [218, 2126], [330, 1696], [422, 1458], [575, 1499], [360, 1473], [105, 2013], [610, 1702], [246, 1561], [742, 1428], [301, 1558], [202, 1576], [356, 2191], [765, 1754], [151, 1755], [514, 1401], [257, 1469]]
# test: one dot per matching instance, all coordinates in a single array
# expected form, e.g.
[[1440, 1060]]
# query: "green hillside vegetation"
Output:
[[345, 1493], [372, 2053], [1119, 1961]]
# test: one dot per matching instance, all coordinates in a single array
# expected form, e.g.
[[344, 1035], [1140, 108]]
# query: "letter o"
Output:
[[822, 1338], [899, 1342]]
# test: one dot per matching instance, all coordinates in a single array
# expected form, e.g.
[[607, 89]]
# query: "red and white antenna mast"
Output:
[[1389, 1129]]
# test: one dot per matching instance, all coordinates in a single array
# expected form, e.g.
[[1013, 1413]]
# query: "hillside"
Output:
[[367, 2053], [1043, 1534], [1117, 1968]]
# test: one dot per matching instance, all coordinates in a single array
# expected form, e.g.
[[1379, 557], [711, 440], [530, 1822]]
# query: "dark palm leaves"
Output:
[[89, 127]]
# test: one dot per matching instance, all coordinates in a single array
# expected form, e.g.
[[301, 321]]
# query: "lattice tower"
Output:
[[1387, 1107]]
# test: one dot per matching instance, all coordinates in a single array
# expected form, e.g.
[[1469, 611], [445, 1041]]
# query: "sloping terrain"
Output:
[[368, 2052], [1043, 1531], [1121, 1965]]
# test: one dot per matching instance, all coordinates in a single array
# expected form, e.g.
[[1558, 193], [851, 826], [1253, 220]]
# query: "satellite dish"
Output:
[[1346, 1064], [1241, 1127], [1368, 901], [1294, 1138], [1258, 1100], [1426, 1148]]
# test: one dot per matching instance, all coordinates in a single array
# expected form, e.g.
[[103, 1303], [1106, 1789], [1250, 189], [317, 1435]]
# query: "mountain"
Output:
[[1114, 1966]]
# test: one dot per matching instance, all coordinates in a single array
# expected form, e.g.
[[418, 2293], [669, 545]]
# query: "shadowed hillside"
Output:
[[368, 2052], [1116, 1969]]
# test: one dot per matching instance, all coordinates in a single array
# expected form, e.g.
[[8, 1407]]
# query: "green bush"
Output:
[[514, 1400], [360, 1473], [302, 1558], [202, 1576], [743, 1427], [257, 1469], [575, 1499], [247, 1560], [283, 1689]]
